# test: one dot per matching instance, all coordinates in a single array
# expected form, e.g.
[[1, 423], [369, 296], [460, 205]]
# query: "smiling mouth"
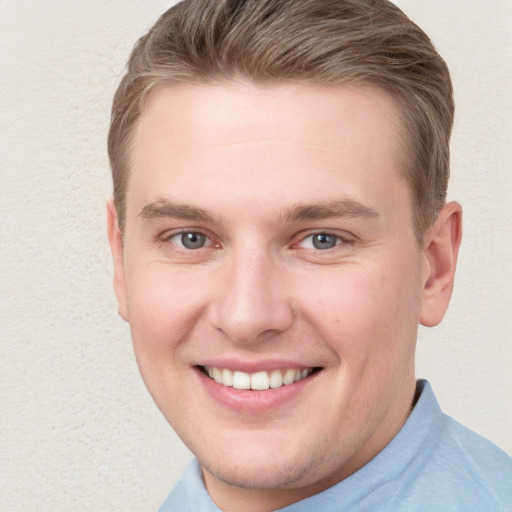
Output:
[[258, 381]]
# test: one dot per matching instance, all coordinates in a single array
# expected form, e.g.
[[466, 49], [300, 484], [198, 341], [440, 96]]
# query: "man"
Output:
[[279, 230]]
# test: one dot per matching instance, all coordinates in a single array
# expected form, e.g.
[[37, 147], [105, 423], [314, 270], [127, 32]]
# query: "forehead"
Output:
[[267, 139], [240, 109]]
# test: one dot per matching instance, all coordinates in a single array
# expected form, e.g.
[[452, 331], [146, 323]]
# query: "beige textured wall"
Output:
[[78, 430]]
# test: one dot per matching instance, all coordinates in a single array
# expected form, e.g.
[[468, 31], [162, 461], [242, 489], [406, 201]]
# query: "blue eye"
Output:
[[190, 240], [321, 241]]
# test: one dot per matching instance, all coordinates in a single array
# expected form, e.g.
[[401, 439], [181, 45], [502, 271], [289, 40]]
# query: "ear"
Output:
[[115, 239], [441, 248]]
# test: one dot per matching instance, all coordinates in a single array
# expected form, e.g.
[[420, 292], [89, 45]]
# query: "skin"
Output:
[[258, 170]]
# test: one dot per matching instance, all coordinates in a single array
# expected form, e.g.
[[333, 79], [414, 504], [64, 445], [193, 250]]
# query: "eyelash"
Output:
[[169, 237], [338, 240]]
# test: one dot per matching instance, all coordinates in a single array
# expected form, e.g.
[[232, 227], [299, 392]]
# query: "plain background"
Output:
[[79, 432]]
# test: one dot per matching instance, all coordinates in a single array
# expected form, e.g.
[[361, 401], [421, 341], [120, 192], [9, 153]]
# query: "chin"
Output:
[[272, 466], [268, 476]]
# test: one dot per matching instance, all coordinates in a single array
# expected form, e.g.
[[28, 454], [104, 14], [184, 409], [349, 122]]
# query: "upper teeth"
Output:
[[259, 380]]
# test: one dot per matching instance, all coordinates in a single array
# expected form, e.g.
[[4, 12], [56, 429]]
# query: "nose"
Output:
[[252, 304]]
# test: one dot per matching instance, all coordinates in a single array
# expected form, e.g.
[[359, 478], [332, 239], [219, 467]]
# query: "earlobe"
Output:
[[442, 242], [115, 239]]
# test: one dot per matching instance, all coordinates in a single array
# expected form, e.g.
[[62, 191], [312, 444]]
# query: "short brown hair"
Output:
[[314, 41]]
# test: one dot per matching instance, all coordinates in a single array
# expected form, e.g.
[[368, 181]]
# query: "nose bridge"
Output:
[[253, 301]]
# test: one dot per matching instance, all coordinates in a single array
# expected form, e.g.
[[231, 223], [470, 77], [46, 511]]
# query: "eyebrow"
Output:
[[301, 212], [164, 208], [332, 209]]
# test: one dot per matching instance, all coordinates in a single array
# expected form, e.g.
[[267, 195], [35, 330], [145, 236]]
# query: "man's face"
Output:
[[269, 237]]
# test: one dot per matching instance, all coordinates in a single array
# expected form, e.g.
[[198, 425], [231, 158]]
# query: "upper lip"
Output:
[[255, 366]]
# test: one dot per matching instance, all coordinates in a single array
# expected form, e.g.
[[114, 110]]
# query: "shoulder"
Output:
[[476, 460], [455, 468]]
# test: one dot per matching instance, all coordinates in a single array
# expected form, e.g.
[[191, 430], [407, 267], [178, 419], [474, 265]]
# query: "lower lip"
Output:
[[252, 401]]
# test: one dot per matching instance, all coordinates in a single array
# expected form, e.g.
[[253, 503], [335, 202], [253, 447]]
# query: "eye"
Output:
[[190, 240], [321, 241]]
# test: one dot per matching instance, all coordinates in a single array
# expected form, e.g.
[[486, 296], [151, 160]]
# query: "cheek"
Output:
[[366, 310], [163, 307], [163, 311]]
